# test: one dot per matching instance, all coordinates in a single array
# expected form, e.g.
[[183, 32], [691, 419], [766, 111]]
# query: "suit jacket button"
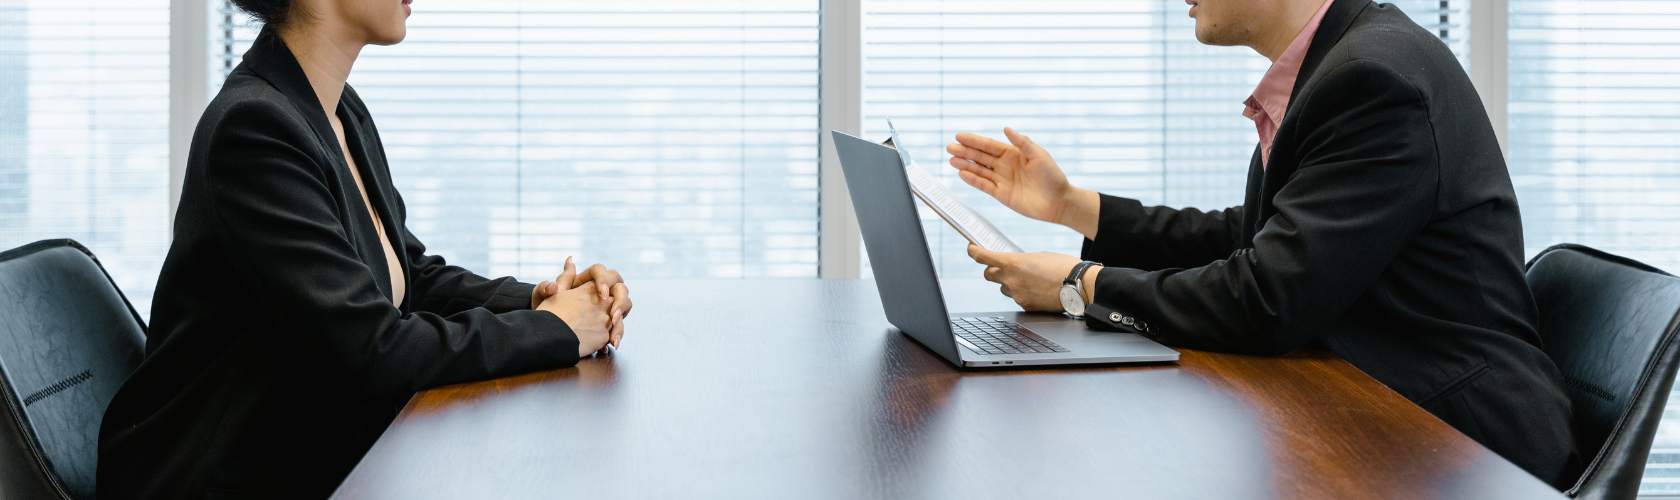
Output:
[[1114, 317]]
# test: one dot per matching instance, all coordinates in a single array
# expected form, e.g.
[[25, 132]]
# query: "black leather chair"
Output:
[[68, 339], [1610, 324]]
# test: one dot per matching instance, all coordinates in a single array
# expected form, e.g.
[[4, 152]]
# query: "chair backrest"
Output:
[[1610, 324], [68, 339]]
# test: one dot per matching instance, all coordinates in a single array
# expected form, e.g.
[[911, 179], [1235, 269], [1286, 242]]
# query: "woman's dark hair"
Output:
[[270, 12]]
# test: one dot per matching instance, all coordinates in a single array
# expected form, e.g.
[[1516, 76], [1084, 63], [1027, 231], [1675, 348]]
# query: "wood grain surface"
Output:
[[801, 389]]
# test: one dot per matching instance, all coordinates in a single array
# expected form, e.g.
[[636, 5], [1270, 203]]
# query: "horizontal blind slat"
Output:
[[84, 96], [1120, 92], [1594, 115], [666, 138]]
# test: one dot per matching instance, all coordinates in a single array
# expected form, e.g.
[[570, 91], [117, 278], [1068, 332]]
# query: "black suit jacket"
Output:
[[1384, 228], [275, 355]]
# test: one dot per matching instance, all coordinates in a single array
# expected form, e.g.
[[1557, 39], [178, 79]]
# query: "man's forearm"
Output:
[[1080, 211]]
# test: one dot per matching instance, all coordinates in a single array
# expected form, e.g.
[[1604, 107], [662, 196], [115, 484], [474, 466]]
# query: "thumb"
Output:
[[568, 273], [983, 255], [1022, 142]]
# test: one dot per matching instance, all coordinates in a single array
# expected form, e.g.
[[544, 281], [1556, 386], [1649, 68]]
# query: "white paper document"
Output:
[[965, 220]]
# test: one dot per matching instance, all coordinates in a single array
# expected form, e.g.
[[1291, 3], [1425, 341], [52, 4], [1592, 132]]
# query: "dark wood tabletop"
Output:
[[801, 389]]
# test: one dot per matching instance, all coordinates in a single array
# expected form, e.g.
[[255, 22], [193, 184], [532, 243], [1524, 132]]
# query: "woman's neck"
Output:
[[326, 55]]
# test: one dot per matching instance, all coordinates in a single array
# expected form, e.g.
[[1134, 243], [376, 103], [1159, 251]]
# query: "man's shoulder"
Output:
[[1384, 35], [1384, 44]]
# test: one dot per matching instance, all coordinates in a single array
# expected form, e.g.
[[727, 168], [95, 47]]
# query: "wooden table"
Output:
[[800, 389]]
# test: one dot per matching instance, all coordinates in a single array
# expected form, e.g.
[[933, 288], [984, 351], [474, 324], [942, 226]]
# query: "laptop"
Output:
[[909, 287]]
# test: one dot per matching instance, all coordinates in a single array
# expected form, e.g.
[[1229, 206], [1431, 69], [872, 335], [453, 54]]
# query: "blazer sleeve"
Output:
[[273, 207], [1366, 185], [1149, 238], [440, 288]]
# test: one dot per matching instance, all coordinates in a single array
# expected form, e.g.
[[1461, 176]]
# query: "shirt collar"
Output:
[[1272, 94]]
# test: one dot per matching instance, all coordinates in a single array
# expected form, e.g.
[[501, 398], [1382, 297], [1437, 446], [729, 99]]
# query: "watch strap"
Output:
[[1077, 273]]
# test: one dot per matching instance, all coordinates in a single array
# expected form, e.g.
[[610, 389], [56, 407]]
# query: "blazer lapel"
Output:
[[271, 60], [1268, 181], [1254, 205], [374, 178], [1330, 30]]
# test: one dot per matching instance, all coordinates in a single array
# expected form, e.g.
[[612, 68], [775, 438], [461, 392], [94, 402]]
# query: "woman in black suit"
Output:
[[296, 313]]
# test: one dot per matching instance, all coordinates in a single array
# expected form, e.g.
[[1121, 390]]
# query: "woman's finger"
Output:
[[609, 279], [621, 300], [603, 277], [599, 273], [541, 293], [617, 337], [568, 273]]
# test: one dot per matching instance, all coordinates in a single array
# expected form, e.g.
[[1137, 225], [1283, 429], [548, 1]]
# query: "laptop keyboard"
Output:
[[996, 335]]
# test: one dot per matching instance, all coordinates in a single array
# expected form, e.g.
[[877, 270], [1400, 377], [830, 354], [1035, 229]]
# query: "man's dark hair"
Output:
[[270, 12]]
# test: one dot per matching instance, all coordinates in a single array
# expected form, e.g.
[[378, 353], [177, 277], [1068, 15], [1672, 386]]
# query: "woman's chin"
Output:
[[391, 37]]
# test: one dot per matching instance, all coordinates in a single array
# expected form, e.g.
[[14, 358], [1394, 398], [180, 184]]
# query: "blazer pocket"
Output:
[[1450, 389]]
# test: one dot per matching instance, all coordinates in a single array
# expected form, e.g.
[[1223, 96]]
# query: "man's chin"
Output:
[[1209, 35]]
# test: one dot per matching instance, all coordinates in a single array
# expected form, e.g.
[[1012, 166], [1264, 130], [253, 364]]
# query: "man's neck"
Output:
[[325, 55], [1292, 17]]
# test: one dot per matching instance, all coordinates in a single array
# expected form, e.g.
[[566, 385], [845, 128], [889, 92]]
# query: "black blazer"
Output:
[[275, 355], [1384, 229]]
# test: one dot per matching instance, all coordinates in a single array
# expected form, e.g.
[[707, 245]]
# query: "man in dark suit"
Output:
[[1379, 223]]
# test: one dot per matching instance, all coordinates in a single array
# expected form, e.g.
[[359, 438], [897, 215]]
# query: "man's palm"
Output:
[[1022, 175]]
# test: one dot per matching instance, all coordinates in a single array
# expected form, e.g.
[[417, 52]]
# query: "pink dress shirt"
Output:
[[1270, 99]]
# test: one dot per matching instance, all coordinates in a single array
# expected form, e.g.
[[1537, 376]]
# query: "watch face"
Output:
[[1071, 301]]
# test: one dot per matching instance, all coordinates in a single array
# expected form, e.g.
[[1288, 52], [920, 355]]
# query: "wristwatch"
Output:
[[1073, 291]]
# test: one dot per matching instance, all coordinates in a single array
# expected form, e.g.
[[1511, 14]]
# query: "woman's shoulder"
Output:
[[246, 100], [250, 118]]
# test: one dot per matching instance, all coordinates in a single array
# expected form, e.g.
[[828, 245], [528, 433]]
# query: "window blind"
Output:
[[1595, 124], [1595, 144], [1119, 92], [666, 138], [84, 143]]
